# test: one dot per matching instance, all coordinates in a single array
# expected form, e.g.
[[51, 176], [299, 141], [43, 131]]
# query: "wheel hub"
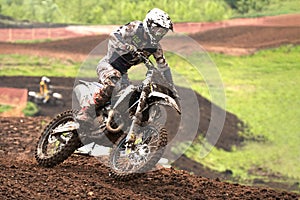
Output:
[[139, 154]]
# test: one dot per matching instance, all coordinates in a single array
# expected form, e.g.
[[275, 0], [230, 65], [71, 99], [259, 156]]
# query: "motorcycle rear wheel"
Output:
[[52, 150]]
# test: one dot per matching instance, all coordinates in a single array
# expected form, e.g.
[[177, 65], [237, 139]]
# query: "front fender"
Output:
[[57, 95], [165, 100]]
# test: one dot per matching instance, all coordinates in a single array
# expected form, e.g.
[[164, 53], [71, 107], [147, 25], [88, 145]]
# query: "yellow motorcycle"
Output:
[[46, 94]]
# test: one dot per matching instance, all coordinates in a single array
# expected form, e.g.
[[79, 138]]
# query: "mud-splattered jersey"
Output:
[[132, 33]]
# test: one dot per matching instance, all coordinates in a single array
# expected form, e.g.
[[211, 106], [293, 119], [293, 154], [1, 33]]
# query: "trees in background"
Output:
[[119, 12], [245, 6], [113, 11]]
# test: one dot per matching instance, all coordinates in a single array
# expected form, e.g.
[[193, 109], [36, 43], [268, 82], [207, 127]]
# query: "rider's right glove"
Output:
[[131, 48]]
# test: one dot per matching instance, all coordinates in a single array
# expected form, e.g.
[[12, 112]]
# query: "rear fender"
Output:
[[32, 94]]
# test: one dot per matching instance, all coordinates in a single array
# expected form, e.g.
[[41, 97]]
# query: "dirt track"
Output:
[[82, 177], [236, 40], [85, 178], [235, 37]]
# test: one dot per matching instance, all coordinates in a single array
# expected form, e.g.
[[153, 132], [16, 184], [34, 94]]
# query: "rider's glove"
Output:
[[131, 48]]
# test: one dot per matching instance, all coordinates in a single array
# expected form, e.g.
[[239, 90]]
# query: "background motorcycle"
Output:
[[54, 98]]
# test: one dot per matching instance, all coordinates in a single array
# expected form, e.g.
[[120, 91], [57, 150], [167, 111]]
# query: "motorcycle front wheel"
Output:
[[53, 149], [127, 163]]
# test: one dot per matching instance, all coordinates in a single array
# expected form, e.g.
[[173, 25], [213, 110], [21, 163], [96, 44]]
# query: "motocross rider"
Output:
[[121, 55], [44, 88]]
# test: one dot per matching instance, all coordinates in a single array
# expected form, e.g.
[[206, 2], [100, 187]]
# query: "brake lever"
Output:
[[145, 59], [141, 55]]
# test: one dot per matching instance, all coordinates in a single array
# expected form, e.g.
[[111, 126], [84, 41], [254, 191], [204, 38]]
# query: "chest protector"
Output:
[[123, 62]]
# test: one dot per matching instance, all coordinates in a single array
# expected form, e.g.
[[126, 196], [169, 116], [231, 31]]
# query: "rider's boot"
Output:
[[46, 98], [85, 116], [87, 113]]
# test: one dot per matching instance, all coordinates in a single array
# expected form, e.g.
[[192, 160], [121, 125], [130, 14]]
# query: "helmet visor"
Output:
[[159, 31]]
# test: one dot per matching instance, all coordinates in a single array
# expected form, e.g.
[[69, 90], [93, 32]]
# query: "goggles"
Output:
[[159, 31]]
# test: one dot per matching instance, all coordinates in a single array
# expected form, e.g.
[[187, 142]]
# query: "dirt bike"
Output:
[[52, 98], [129, 124]]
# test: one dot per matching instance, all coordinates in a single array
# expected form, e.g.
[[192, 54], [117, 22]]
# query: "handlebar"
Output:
[[145, 59], [150, 66]]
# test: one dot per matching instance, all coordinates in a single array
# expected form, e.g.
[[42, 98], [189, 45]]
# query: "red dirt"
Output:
[[86, 178], [17, 98], [14, 34]]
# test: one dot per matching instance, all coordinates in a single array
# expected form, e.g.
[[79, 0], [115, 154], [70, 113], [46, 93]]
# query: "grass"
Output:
[[23, 65], [4, 108], [37, 41], [31, 109], [263, 91]]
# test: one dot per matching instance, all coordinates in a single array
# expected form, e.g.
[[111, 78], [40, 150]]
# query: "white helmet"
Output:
[[156, 24], [45, 79]]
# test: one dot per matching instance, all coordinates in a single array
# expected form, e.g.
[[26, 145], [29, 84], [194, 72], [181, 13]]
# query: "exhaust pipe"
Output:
[[108, 126]]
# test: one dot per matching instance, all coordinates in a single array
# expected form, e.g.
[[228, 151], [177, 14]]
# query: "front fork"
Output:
[[136, 119]]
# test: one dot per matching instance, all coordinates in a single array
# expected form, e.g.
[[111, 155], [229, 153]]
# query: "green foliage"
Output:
[[245, 6], [120, 12], [113, 11], [31, 109], [4, 108], [256, 8], [33, 10], [232, 3], [214, 10]]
